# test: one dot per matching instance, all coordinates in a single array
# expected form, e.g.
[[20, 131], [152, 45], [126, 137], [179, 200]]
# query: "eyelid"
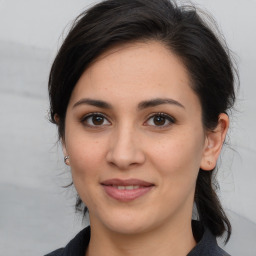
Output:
[[171, 119], [168, 117], [91, 114]]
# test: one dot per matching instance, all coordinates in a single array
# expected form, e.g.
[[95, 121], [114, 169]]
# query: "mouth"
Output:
[[131, 187], [126, 190]]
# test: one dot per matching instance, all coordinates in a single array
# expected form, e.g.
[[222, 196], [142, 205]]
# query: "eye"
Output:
[[160, 120], [95, 119]]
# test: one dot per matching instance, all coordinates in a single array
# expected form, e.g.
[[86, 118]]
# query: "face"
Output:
[[135, 139]]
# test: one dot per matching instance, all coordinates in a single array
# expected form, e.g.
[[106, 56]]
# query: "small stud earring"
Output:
[[66, 160]]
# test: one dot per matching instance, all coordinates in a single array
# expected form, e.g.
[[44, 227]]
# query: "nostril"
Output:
[[124, 162], [124, 150]]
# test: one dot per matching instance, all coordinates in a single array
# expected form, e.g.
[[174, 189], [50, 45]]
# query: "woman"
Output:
[[140, 91]]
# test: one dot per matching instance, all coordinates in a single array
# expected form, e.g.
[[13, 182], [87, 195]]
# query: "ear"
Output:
[[213, 143], [64, 149], [56, 118], [65, 153]]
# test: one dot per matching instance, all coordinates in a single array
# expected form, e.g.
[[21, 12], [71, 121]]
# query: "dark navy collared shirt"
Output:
[[206, 244]]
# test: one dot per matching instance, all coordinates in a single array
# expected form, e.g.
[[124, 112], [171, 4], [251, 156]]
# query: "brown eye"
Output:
[[160, 120], [94, 120], [97, 120]]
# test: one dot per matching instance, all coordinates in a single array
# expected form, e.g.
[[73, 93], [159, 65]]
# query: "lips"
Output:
[[126, 190]]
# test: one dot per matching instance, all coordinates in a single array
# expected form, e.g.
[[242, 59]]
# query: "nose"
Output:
[[125, 149]]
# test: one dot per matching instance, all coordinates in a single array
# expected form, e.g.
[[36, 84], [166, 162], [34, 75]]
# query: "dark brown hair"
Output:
[[181, 29]]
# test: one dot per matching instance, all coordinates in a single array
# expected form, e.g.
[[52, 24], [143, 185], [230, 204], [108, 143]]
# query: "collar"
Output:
[[206, 243]]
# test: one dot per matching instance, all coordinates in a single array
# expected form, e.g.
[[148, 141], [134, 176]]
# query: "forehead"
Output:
[[144, 60], [134, 72]]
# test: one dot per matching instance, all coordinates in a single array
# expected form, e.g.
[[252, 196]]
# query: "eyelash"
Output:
[[166, 117], [85, 118]]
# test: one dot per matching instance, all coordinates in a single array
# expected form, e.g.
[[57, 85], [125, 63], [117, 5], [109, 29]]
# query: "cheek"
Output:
[[178, 156], [86, 156], [86, 165], [177, 161]]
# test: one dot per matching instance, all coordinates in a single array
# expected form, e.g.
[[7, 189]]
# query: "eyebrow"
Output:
[[158, 101], [141, 105], [96, 103]]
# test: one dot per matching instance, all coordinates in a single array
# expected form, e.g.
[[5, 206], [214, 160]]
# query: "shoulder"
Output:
[[58, 252], [77, 246], [207, 244]]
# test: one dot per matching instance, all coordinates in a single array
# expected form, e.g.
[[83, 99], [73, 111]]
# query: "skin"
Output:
[[128, 142]]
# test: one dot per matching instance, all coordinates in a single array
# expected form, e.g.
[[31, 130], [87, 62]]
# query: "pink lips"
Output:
[[126, 190]]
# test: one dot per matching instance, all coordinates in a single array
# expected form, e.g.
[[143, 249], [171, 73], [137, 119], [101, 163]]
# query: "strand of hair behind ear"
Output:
[[210, 211]]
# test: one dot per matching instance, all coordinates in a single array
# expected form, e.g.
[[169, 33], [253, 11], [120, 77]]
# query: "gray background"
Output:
[[36, 213]]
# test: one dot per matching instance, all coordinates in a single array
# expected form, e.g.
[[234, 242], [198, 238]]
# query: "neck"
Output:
[[172, 240]]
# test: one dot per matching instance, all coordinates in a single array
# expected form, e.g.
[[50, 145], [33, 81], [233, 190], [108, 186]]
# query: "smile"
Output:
[[126, 190]]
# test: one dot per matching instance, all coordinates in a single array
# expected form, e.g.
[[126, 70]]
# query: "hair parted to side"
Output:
[[180, 29]]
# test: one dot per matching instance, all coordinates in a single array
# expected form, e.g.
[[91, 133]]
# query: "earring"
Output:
[[66, 160]]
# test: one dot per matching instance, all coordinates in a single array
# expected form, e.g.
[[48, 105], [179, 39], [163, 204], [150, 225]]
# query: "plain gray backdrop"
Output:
[[36, 213]]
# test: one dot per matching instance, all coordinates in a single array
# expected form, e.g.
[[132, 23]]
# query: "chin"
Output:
[[126, 223], [128, 228]]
